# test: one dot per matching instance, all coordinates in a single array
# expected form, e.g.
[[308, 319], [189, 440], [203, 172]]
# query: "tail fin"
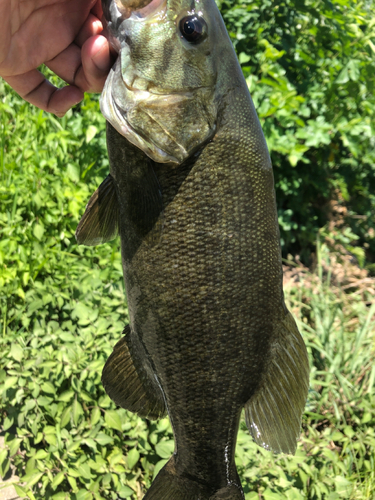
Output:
[[169, 485]]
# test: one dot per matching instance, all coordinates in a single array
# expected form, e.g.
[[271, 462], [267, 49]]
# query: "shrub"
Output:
[[309, 67]]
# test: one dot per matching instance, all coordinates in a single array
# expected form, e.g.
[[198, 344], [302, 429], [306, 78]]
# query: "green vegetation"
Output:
[[62, 307], [310, 69]]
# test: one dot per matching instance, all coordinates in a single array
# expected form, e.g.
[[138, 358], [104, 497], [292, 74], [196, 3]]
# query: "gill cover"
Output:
[[160, 94]]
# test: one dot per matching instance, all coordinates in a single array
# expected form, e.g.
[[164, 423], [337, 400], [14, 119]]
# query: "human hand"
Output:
[[62, 34]]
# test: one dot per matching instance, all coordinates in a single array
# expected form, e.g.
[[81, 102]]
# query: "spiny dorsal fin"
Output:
[[129, 381], [99, 223], [273, 414]]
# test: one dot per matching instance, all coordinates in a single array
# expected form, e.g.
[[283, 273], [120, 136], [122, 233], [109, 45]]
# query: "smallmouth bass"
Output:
[[190, 192]]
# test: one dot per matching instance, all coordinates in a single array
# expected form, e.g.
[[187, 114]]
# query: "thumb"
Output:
[[96, 63]]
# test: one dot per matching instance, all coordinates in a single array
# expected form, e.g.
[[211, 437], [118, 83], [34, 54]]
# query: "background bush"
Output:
[[310, 69]]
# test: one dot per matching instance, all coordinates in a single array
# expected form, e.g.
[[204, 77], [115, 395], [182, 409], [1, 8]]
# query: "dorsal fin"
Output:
[[99, 223]]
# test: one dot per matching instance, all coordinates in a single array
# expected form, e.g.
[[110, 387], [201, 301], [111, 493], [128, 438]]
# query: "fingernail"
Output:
[[98, 27]]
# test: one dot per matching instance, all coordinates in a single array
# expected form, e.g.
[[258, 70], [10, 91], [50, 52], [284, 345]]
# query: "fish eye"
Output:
[[193, 28]]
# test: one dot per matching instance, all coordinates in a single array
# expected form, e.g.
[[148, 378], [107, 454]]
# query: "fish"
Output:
[[191, 194]]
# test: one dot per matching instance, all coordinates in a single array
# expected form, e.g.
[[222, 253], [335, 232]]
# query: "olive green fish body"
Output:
[[209, 333]]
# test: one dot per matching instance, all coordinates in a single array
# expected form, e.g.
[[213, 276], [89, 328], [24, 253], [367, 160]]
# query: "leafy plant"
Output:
[[309, 68]]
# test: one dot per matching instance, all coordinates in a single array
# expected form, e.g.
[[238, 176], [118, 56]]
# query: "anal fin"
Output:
[[273, 414], [128, 379]]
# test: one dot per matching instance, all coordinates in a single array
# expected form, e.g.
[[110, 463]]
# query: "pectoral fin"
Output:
[[273, 414], [99, 223], [129, 380]]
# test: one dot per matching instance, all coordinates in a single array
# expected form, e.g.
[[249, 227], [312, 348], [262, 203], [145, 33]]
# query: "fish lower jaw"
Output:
[[116, 116]]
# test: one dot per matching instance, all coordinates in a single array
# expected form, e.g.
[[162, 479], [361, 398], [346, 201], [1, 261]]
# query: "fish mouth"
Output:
[[118, 12]]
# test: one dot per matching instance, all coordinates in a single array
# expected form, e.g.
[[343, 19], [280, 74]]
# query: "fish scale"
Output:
[[190, 192]]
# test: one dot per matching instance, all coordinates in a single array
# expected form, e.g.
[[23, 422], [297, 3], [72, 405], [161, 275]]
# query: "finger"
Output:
[[86, 68], [34, 88], [91, 27], [96, 63], [97, 9], [66, 64]]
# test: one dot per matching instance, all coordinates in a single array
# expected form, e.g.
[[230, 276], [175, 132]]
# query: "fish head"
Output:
[[161, 92]]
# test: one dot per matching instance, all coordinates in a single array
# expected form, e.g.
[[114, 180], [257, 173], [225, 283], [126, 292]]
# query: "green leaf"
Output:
[[91, 443], [58, 479], [90, 133], [294, 494], [3, 455], [132, 457], [4, 468], [14, 446], [112, 419], [158, 467], [77, 411], [74, 172], [65, 417], [33, 478], [48, 387], [73, 473], [38, 231], [83, 495], [343, 486], [62, 495], [73, 483], [269, 494], [165, 448], [21, 492], [343, 76], [8, 422], [84, 314], [125, 492], [66, 396], [16, 352], [244, 58], [103, 439], [84, 470], [10, 382], [252, 496], [44, 401], [95, 415], [349, 431], [41, 455]]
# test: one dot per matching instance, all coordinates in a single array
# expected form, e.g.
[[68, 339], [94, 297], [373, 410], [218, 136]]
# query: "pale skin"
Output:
[[66, 36]]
